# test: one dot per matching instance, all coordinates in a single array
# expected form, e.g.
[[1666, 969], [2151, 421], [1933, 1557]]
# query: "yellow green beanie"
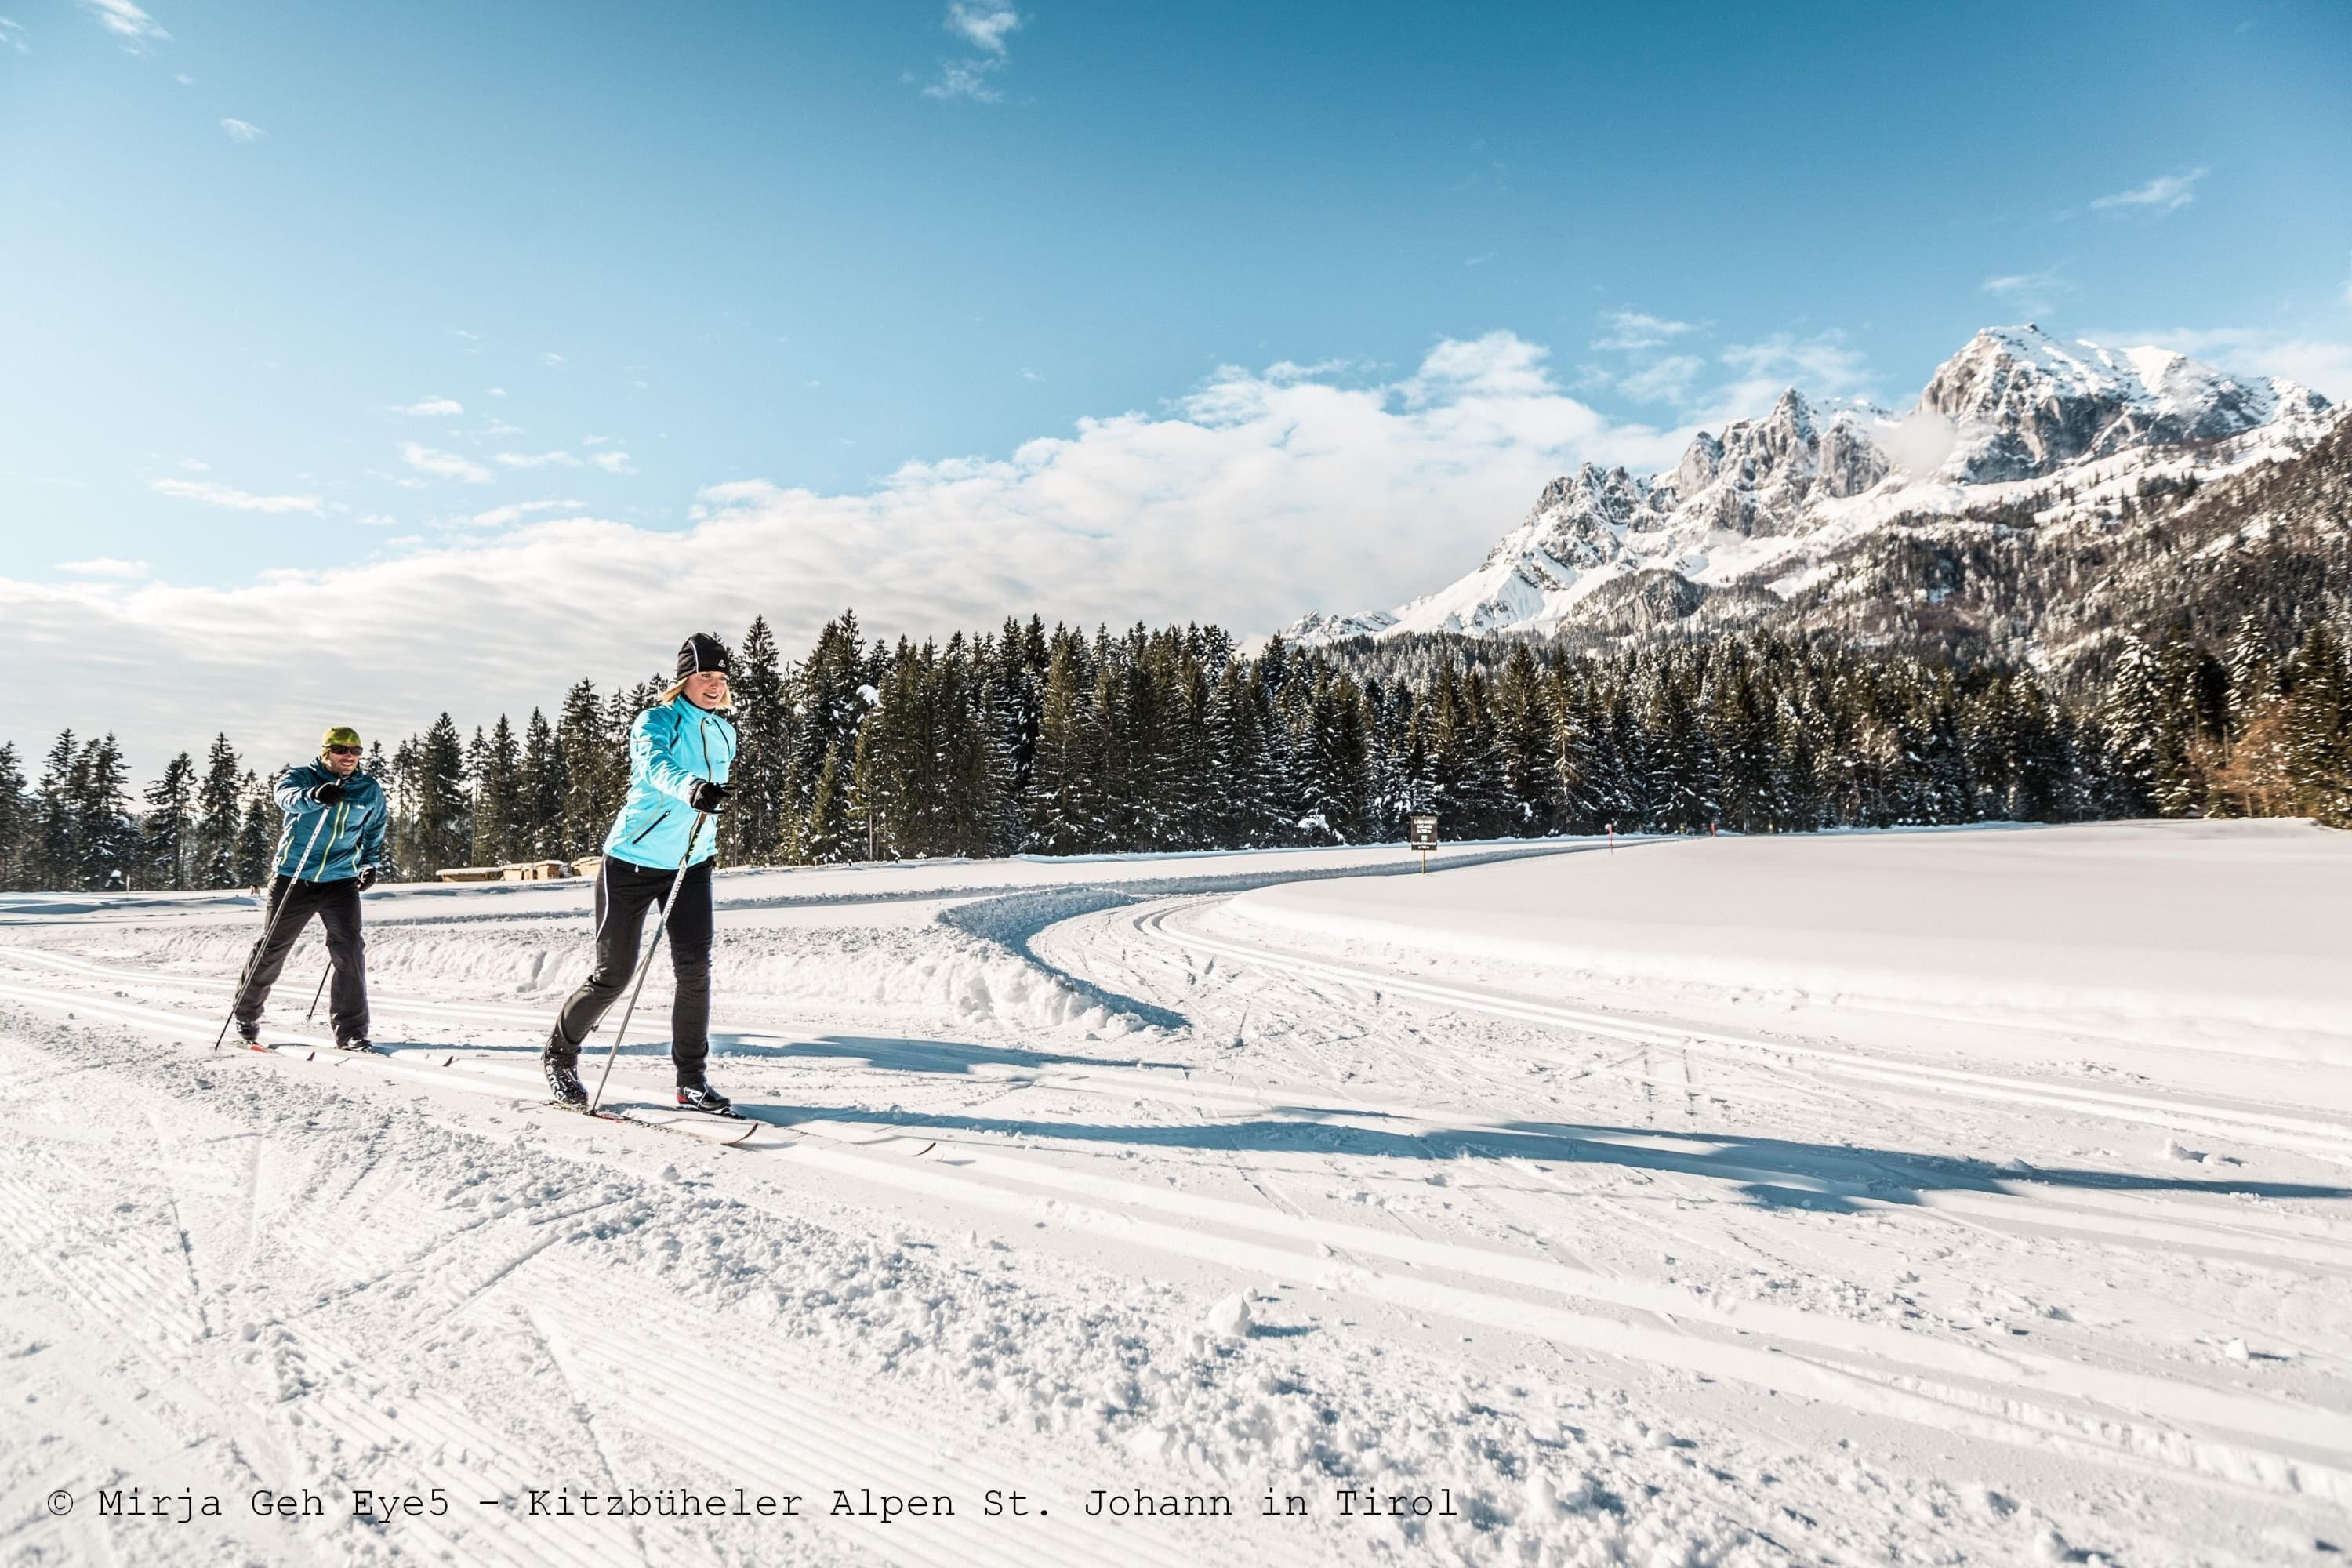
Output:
[[338, 735]]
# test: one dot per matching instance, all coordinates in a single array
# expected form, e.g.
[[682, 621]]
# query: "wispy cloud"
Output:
[[444, 465], [508, 516], [552, 359], [105, 566], [1627, 331], [242, 130], [1669, 381], [432, 408], [2031, 292], [2164, 194], [2252, 352], [12, 37], [985, 28], [537, 459], [125, 21], [230, 497], [614, 462], [1821, 364]]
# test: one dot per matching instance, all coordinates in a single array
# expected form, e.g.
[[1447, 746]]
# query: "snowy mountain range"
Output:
[[2018, 429]]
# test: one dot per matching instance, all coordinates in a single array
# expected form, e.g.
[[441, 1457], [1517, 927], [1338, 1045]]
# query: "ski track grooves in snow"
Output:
[[2009, 1397], [2328, 1139]]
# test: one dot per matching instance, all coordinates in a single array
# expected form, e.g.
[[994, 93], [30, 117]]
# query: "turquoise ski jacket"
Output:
[[328, 843], [672, 748]]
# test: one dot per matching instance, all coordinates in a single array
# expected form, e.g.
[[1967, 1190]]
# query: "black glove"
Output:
[[707, 796], [367, 877], [328, 793]]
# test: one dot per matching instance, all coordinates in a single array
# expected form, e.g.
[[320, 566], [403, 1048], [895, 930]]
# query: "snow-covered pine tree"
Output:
[[218, 814], [494, 768], [752, 826], [539, 799], [257, 834], [167, 830], [2133, 714], [17, 821]]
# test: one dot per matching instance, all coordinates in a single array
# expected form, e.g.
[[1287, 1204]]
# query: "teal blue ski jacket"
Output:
[[328, 843], [672, 748]]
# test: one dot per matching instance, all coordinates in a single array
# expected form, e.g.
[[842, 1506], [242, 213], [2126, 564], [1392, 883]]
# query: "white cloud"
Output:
[[614, 462], [552, 359], [537, 459], [2323, 364], [497, 392], [1821, 365], [105, 566], [1668, 381], [965, 79], [444, 465], [125, 21], [241, 129], [508, 516], [12, 35], [2164, 194], [596, 440], [195, 464], [235, 499], [2035, 293], [432, 407], [1333, 494], [982, 27], [1628, 331]]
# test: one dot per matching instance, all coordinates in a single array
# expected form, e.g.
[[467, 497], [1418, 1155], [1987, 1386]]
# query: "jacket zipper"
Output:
[[649, 827]]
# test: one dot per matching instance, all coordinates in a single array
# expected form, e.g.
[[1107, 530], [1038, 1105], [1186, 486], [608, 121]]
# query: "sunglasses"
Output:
[[342, 750]]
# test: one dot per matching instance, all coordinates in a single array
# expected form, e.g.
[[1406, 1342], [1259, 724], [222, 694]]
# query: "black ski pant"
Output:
[[292, 902], [625, 893]]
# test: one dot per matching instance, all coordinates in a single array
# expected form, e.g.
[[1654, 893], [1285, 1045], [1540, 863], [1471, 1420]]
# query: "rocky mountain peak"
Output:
[[1767, 507]]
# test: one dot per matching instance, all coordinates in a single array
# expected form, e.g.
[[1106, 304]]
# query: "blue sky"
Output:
[[446, 309]]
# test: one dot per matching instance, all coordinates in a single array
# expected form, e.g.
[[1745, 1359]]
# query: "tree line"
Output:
[[1060, 742]]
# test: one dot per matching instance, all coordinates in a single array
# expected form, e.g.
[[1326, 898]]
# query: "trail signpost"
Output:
[[1424, 839]]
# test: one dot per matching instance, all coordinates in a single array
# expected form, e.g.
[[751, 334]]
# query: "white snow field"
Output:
[[1918, 1197]]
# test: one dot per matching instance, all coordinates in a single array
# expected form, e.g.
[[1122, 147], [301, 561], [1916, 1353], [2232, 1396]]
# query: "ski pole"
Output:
[[646, 963], [269, 929], [321, 990]]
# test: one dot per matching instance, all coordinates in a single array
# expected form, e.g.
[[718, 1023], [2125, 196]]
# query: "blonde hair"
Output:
[[671, 692]]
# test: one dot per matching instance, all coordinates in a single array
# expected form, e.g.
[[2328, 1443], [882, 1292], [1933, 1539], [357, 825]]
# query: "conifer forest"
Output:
[[1058, 742]]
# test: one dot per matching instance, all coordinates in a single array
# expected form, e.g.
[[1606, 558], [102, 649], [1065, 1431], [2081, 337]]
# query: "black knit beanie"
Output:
[[699, 653]]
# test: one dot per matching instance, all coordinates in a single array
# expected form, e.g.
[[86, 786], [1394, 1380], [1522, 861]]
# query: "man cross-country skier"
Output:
[[680, 749], [325, 857]]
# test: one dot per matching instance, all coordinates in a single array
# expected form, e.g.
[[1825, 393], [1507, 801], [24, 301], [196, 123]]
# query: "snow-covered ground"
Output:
[[1968, 1196]]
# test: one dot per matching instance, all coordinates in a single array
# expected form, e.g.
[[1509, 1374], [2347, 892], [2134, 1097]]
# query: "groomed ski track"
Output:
[[1631, 1277]]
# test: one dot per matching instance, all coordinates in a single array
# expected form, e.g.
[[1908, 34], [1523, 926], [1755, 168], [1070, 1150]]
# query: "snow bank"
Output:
[[2233, 935], [937, 968]]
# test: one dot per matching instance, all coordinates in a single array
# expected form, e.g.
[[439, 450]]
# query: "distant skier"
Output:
[[325, 857], [680, 749]]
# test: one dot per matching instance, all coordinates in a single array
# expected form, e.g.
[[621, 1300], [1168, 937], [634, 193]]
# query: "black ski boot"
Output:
[[249, 1032], [358, 1045], [562, 1077], [699, 1095]]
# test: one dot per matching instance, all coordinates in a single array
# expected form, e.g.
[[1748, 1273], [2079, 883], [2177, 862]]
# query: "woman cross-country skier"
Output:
[[679, 752]]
